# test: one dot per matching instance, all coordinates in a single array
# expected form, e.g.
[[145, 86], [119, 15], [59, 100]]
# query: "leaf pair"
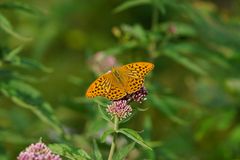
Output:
[[119, 155], [133, 135], [73, 153]]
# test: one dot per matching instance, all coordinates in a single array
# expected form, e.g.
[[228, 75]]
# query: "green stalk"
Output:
[[155, 15], [113, 146]]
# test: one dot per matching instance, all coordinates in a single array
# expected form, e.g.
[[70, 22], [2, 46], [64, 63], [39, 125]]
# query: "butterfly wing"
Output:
[[106, 86], [138, 69], [99, 87], [133, 75], [116, 92]]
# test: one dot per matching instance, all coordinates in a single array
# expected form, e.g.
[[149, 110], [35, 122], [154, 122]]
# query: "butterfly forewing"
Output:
[[99, 87], [138, 69], [134, 74]]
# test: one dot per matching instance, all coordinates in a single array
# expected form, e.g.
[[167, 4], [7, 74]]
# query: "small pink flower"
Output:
[[172, 29], [101, 62], [120, 109], [140, 95], [38, 151]]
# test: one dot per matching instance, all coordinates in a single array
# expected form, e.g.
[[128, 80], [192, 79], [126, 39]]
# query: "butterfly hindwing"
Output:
[[134, 84], [138, 69], [134, 74], [115, 92]]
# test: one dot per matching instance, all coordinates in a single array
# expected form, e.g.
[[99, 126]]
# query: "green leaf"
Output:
[[7, 74], [103, 113], [31, 64], [22, 7], [123, 152], [166, 108], [136, 31], [105, 134], [97, 153], [28, 63], [100, 101], [7, 27], [69, 152], [7, 136], [28, 97], [3, 157], [11, 55], [147, 127], [131, 3], [119, 49], [186, 62], [160, 5], [212, 123], [234, 136], [134, 136]]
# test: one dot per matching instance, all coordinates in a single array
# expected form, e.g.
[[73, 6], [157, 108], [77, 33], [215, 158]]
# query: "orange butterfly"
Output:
[[120, 81]]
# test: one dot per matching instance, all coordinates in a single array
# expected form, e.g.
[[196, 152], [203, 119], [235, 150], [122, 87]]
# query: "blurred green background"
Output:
[[50, 51]]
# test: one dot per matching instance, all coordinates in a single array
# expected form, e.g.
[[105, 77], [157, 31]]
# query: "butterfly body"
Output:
[[120, 81], [117, 76]]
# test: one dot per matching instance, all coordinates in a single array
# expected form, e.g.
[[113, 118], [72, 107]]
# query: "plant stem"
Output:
[[113, 146], [155, 14]]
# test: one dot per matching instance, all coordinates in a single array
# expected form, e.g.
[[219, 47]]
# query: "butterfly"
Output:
[[120, 81]]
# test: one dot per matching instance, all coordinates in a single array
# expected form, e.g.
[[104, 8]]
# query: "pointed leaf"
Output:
[[103, 114], [22, 7], [32, 64], [186, 62], [28, 63], [11, 55], [123, 152], [165, 107], [7, 27], [28, 97], [97, 153], [130, 4], [69, 152], [8, 136], [105, 134], [134, 136]]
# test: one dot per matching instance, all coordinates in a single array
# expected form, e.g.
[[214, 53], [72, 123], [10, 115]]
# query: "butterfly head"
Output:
[[113, 69], [115, 72]]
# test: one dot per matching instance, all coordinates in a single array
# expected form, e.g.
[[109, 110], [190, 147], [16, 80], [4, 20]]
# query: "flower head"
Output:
[[121, 108], [140, 95], [172, 29], [100, 62], [38, 151]]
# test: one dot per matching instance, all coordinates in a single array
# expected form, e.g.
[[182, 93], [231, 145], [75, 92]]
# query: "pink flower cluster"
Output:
[[121, 108], [38, 151], [140, 95], [101, 62]]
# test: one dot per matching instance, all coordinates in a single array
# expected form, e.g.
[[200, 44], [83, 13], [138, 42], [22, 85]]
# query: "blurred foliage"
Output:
[[46, 53]]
